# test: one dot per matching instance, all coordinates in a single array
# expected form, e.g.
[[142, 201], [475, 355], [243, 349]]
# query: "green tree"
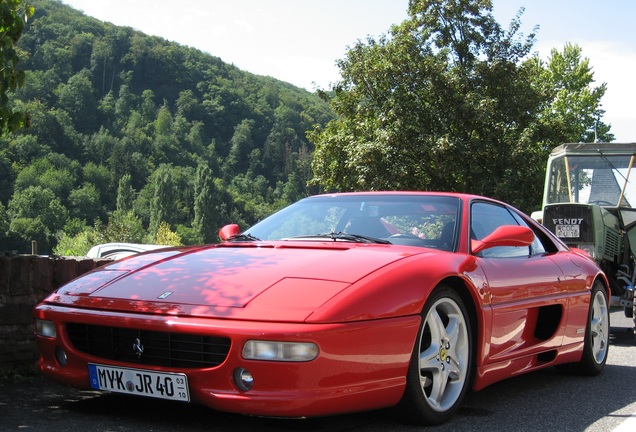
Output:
[[148, 106], [131, 155], [107, 110], [210, 209], [572, 112], [196, 139], [125, 193], [446, 85], [162, 206], [4, 221], [53, 55], [189, 106], [57, 176], [23, 231], [241, 145], [35, 214], [125, 103], [81, 49], [76, 245], [166, 147], [165, 236], [39, 85], [101, 177], [123, 226], [6, 178], [78, 99], [13, 17], [101, 62], [163, 122], [25, 150], [85, 203], [35, 202], [414, 104], [99, 146], [281, 143], [54, 127]]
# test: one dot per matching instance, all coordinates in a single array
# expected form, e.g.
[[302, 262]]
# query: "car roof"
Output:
[[460, 195]]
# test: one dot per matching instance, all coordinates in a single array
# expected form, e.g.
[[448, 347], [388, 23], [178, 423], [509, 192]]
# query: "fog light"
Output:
[[243, 379], [60, 355], [280, 351], [45, 328]]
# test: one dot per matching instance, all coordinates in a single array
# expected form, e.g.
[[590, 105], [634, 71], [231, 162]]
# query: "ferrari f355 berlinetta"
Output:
[[337, 303]]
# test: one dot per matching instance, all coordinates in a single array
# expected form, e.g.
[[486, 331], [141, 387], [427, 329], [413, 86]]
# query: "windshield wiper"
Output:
[[358, 238], [611, 164], [335, 236], [243, 238]]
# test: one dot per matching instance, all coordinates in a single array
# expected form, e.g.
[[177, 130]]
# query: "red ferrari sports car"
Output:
[[337, 303]]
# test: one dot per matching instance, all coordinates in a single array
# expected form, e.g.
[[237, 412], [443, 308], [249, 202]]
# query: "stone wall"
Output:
[[24, 281]]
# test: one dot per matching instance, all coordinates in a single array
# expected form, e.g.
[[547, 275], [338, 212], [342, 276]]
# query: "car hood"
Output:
[[252, 281]]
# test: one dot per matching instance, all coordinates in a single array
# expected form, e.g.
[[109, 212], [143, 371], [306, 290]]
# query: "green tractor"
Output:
[[589, 202]]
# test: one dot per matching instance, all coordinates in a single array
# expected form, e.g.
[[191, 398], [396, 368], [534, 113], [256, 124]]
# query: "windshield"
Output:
[[417, 220], [594, 179]]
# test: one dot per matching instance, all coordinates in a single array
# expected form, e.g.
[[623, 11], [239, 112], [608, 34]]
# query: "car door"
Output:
[[526, 300]]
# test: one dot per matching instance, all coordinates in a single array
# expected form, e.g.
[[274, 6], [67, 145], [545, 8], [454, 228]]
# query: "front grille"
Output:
[[177, 350], [570, 214]]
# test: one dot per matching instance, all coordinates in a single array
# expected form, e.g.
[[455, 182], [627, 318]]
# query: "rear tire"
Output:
[[596, 345], [441, 364]]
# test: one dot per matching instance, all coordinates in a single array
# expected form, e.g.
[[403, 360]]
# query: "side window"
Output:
[[484, 219]]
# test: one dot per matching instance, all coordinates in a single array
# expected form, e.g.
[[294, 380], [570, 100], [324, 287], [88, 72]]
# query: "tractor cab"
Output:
[[589, 202]]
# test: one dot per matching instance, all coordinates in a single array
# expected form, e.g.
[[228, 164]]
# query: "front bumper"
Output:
[[361, 365]]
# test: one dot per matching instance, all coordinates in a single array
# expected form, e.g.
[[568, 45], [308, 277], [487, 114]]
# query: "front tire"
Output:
[[442, 361], [596, 344]]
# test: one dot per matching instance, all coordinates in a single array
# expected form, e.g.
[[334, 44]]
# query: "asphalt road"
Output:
[[540, 401]]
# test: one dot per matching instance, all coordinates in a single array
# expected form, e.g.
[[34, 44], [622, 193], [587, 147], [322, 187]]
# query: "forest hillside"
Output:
[[135, 138]]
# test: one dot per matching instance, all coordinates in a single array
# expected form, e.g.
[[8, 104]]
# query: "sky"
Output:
[[299, 41]]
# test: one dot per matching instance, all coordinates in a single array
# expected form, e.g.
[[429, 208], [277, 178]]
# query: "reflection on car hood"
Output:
[[211, 280]]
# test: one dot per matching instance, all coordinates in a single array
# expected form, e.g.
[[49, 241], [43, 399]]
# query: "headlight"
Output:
[[589, 249], [45, 328], [280, 351]]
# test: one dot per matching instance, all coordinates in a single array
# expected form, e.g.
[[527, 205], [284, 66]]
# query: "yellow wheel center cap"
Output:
[[442, 354]]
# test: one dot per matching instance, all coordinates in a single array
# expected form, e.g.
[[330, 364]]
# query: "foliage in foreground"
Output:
[[14, 15]]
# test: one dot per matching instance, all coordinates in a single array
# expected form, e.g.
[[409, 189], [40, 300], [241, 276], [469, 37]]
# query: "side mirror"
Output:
[[507, 235], [229, 231]]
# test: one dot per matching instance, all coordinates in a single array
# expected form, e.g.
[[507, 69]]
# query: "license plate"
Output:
[[568, 231], [162, 385]]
